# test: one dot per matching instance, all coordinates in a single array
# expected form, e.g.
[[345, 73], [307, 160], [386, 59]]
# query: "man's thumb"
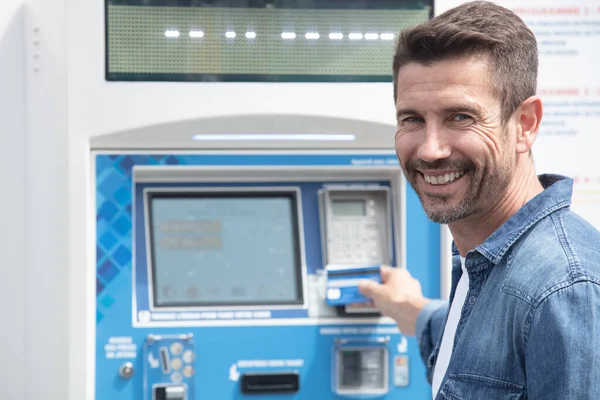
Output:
[[370, 288]]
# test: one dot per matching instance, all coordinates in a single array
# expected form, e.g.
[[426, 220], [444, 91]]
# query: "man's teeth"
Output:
[[443, 179]]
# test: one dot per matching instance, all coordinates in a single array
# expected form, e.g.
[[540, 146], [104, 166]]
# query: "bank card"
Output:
[[342, 283]]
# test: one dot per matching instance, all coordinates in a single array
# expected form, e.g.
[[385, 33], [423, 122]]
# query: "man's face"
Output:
[[450, 140]]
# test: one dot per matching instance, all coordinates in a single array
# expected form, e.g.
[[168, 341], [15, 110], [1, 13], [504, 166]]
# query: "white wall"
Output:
[[33, 171], [9, 9], [47, 207], [13, 167]]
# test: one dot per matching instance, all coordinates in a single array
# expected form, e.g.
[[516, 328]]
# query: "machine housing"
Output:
[[216, 266]]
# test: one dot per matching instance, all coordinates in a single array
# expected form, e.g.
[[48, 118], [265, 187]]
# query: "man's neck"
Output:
[[470, 232]]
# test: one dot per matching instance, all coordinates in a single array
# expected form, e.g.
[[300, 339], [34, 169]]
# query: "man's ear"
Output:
[[528, 118]]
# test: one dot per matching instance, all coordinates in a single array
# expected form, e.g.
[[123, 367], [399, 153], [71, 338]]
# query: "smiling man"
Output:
[[523, 320]]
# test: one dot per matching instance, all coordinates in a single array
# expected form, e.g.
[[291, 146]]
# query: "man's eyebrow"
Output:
[[446, 110], [461, 109], [405, 111]]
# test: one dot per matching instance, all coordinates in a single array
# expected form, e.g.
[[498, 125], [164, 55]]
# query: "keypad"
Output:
[[355, 241]]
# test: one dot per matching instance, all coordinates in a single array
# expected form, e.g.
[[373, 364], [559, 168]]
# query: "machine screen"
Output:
[[224, 249], [256, 40], [348, 208]]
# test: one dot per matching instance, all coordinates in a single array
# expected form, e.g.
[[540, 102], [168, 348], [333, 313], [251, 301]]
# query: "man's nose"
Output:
[[435, 145]]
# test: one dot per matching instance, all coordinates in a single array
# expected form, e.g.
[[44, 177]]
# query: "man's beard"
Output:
[[483, 185]]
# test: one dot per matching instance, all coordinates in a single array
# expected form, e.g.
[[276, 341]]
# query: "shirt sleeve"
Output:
[[563, 346], [430, 325]]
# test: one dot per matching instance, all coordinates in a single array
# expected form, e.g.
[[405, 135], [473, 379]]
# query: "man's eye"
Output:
[[461, 117], [412, 120]]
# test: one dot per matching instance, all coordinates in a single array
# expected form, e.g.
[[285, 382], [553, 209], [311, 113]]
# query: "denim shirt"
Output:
[[530, 325]]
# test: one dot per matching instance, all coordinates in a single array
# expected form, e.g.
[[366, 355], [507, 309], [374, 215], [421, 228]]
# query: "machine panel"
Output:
[[358, 229], [212, 274]]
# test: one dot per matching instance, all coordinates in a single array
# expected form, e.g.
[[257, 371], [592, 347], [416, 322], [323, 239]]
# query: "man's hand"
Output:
[[399, 296]]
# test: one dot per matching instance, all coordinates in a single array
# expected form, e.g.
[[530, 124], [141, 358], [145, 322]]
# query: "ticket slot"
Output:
[[257, 383], [165, 360]]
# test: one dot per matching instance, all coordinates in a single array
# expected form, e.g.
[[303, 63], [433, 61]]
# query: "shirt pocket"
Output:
[[475, 387]]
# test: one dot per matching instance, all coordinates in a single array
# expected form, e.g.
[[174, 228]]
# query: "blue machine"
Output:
[[232, 275]]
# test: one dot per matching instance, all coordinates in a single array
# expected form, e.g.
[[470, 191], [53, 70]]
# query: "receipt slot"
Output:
[[232, 274], [361, 367]]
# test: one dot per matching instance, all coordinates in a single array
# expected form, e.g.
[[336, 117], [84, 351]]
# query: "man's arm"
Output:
[[563, 345], [399, 296], [429, 329]]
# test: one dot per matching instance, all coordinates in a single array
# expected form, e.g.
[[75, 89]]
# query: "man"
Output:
[[524, 314]]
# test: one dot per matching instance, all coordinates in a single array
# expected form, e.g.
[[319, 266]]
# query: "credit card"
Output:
[[342, 283]]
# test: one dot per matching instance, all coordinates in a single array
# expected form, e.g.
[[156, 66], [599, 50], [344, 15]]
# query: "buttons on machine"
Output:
[[357, 241], [176, 348], [168, 370], [126, 370], [176, 364], [188, 356]]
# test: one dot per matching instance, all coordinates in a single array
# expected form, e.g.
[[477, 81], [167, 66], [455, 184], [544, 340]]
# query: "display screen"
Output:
[[225, 249], [348, 208], [256, 40]]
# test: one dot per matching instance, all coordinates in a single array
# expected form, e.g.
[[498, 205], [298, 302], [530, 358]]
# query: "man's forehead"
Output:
[[440, 99], [444, 83], [470, 70]]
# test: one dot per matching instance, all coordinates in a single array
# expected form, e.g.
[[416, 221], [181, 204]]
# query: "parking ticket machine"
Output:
[[227, 266]]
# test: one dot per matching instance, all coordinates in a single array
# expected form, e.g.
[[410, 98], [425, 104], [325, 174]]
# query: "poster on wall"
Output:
[[568, 33]]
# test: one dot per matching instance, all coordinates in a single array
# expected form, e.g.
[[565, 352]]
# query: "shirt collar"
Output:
[[556, 195]]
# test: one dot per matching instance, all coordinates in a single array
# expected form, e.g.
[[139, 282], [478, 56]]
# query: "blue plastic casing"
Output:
[[224, 345]]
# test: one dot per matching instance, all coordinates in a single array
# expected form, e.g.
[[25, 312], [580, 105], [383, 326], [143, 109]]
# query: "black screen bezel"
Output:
[[295, 217]]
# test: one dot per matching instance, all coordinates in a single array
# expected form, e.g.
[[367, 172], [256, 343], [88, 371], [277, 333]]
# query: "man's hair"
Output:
[[477, 28]]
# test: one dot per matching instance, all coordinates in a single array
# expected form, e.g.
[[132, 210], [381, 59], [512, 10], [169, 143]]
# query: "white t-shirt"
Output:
[[443, 358]]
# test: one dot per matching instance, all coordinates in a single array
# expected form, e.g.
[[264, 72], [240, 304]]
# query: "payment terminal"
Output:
[[357, 227]]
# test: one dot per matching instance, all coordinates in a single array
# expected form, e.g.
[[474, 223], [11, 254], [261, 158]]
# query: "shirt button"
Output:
[[472, 300]]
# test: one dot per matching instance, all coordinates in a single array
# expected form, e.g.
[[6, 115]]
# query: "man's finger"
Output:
[[386, 272], [370, 288]]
